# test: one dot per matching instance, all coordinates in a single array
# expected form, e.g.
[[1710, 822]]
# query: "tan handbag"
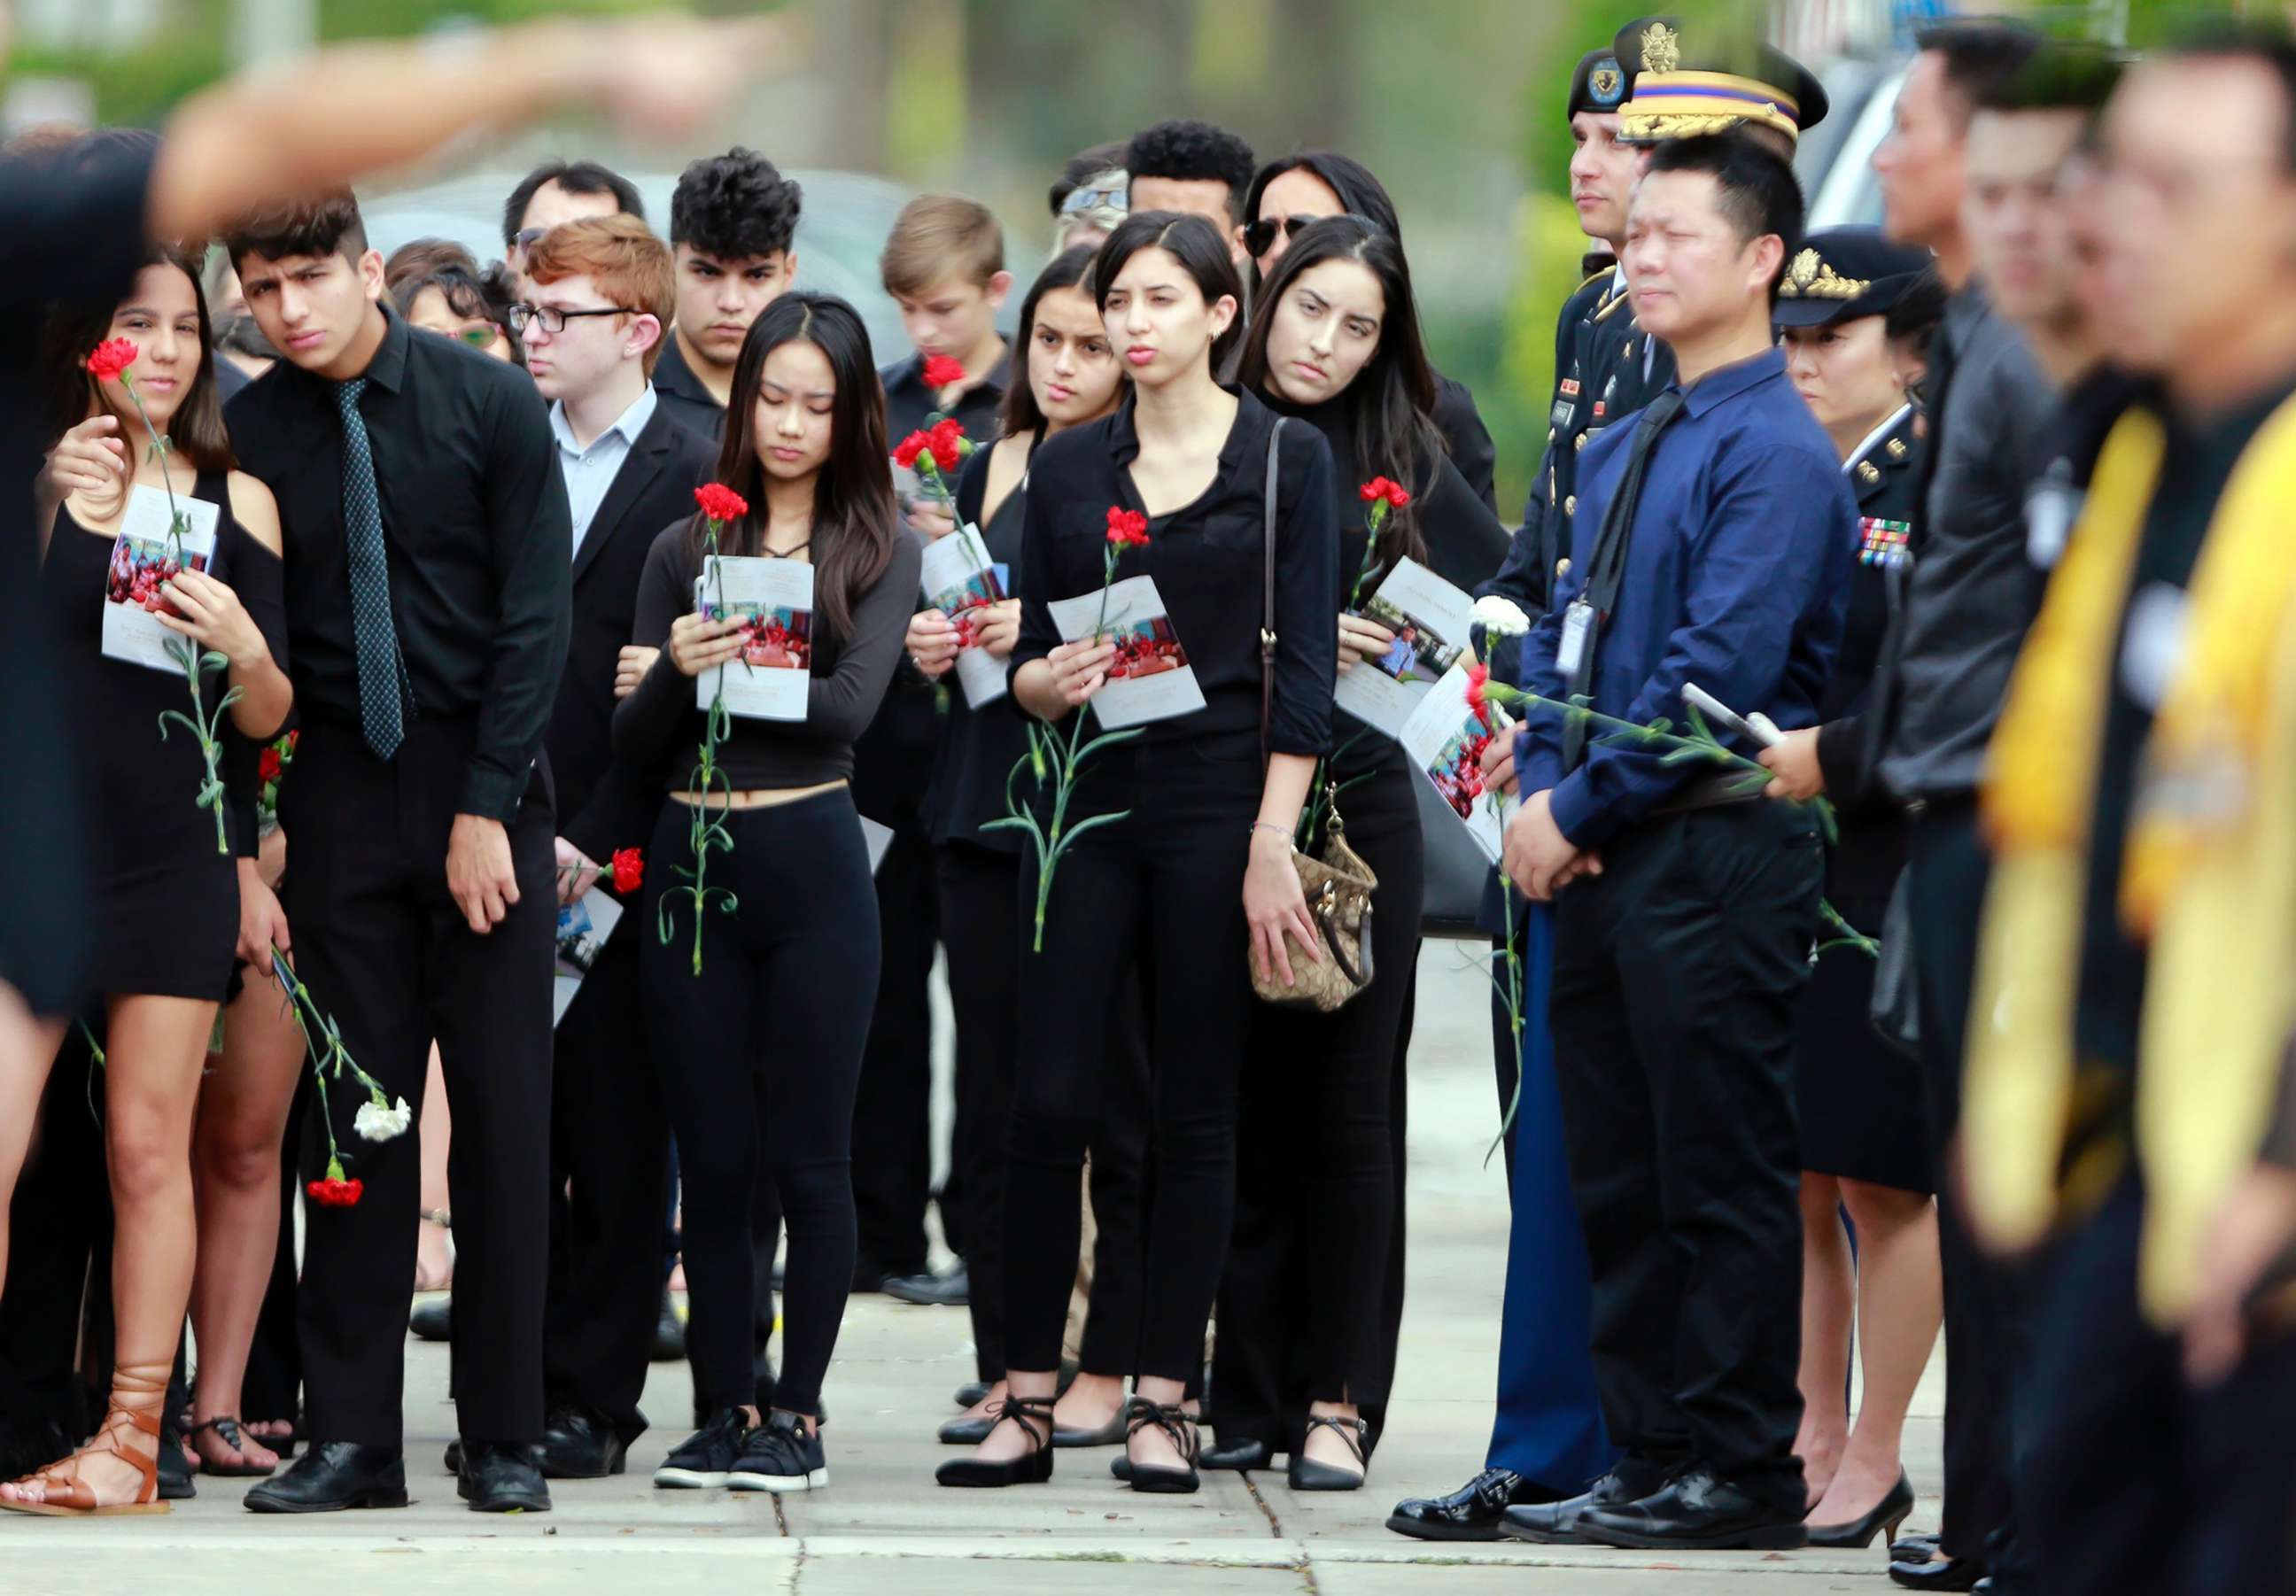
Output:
[[1339, 884]]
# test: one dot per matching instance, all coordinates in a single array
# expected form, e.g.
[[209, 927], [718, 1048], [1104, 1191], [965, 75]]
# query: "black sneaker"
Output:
[[780, 1456], [704, 1458]]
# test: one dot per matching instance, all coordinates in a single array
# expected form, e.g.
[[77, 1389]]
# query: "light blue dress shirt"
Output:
[[590, 472]]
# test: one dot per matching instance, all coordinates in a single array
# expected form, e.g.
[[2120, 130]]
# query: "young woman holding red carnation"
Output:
[[1335, 342], [1200, 867], [170, 910], [763, 1027], [1071, 377]]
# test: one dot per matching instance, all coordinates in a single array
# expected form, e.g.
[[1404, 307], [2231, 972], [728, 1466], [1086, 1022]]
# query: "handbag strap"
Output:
[[1267, 592]]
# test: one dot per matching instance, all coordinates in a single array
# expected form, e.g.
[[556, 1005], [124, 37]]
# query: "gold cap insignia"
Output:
[[1661, 48], [1897, 448], [1604, 82], [1810, 278], [1867, 471]]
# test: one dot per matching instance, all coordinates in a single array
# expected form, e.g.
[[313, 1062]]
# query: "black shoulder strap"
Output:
[[1267, 590]]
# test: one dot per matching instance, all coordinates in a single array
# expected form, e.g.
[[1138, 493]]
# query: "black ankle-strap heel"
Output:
[[1173, 1419], [1306, 1474], [1034, 1466]]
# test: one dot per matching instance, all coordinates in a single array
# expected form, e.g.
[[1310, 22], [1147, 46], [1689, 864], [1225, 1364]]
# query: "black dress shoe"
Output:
[[331, 1476], [1554, 1521], [929, 1290], [453, 1458], [1241, 1454], [1915, 1549], [668, 1333], [1940, 1573], [580, 1444], [432, 1321], [973, 1393], [1887, 1514], [1696, 1511], [498, 1479], [1470, 1513], [174, 1474]]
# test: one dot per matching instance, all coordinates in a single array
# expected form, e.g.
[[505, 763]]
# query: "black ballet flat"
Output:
[[1890, 1512], [1156, 1478], [1306, 1474], [1034, 1415], [967, 1430], [1244, 1453]]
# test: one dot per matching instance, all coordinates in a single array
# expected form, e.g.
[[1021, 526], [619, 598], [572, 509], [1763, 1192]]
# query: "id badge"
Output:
[[1578, 624], [1560, 417]]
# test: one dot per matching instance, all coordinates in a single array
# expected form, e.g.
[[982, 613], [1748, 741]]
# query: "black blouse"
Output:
[[658, 727], [979, 747], [1209, 561]]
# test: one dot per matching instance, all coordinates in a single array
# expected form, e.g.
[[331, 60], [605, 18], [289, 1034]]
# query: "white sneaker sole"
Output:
[[687, 1479], [814, 1481]]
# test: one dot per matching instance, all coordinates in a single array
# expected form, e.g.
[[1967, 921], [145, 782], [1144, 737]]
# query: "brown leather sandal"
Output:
[[78, 1499]]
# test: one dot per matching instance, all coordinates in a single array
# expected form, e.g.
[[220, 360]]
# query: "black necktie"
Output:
[[373, 635], [1606, 567]]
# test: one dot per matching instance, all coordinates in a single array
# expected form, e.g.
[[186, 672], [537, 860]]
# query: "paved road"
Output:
[[884, 1526]]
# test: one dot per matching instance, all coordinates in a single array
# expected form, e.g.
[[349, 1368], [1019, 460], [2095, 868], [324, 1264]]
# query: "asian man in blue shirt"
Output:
[[1712, 546]]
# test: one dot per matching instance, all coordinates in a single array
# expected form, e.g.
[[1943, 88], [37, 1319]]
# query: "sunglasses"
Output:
[[480, 337], [1259, 236]]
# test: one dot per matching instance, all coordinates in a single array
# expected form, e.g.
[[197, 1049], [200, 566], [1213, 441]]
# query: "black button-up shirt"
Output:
[[681, 393], [475, 519], [908, 401], [1207, 557]]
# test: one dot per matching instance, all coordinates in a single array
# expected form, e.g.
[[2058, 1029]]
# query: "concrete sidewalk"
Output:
[[883, 1525]]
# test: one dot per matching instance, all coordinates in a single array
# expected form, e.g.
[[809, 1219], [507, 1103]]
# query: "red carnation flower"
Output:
[[941, 372], [630, 869], [1126, 529], [947, 441], [1479, 680], [332, 1193], [111, 357], [266, 766], [720, 502], [294, 737], [905, 452], [1395, 495], [1376, 488]]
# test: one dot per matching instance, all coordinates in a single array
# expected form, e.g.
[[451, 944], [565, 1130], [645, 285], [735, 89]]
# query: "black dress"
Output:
[[164, 903], [1861, 1100]]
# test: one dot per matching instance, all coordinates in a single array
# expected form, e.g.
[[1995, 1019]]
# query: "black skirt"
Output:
[[1861, 1100]]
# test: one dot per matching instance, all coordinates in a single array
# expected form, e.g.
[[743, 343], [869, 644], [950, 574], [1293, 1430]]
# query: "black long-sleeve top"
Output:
[[1465, 542], [480, 543], [979, 748], [658, 727], [1209, 563]]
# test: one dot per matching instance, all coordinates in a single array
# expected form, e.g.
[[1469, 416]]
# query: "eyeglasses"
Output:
[[1260, 235], [553, 320]]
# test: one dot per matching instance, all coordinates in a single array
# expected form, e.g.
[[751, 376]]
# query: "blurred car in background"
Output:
[[1836, 162], [840, 231]]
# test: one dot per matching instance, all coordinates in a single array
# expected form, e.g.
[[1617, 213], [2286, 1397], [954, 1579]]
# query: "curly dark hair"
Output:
[[1193, 152], [735, 206]]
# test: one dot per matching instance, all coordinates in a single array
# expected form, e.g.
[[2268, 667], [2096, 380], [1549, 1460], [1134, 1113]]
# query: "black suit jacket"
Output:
[[603, 805]]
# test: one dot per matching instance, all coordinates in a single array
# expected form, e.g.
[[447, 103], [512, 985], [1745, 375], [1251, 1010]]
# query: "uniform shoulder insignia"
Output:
[[1596, 276], [1867, 471], [1896, 448]]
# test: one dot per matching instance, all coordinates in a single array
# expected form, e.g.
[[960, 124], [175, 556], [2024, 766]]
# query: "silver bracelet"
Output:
[[1269, 825]]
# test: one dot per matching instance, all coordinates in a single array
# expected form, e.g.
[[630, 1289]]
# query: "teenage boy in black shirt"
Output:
[[1196, 168], [732, 232], [427, 598]]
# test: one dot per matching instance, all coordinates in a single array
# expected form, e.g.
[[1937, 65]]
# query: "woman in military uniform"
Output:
[[1855, 311]]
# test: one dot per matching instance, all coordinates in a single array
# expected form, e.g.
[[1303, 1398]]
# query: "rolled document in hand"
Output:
[[1723, 719]]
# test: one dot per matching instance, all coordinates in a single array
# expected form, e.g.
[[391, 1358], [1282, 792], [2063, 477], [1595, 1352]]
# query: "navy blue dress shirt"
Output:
[[1737, 579]]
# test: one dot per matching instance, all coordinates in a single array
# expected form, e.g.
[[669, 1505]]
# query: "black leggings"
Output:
[[1167, 878], [769, 1034]]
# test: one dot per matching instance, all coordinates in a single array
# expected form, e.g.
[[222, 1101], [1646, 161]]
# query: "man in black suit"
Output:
[[600, 296]]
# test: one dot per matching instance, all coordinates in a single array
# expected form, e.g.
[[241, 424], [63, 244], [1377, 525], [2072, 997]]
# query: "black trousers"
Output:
[[980, 894], [1169, 876], [59, 1245], [1946, 870], [385, 951], [273, 1385], [892, 1151], [764, 1046], [2135, 1480], [1302, 1306], [609, 1180], [1676, 973]]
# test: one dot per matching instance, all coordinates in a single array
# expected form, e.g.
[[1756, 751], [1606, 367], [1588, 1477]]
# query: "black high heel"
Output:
[[1033, 1467], [1174, 1420], [1890, 1512], [1306, 1474]]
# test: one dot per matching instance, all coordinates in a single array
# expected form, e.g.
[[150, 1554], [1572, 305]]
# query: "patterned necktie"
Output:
[[372, 632]]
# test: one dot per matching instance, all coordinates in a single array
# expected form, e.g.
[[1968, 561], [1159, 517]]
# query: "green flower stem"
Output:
[[330, 1059], [707, 828]]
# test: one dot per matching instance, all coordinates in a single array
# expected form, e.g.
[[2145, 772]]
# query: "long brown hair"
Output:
[[195, 432], [854, 515]]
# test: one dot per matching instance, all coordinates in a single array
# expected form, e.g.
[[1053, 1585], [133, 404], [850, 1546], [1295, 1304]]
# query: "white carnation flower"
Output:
[[377, 1122], [1500, 616]]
